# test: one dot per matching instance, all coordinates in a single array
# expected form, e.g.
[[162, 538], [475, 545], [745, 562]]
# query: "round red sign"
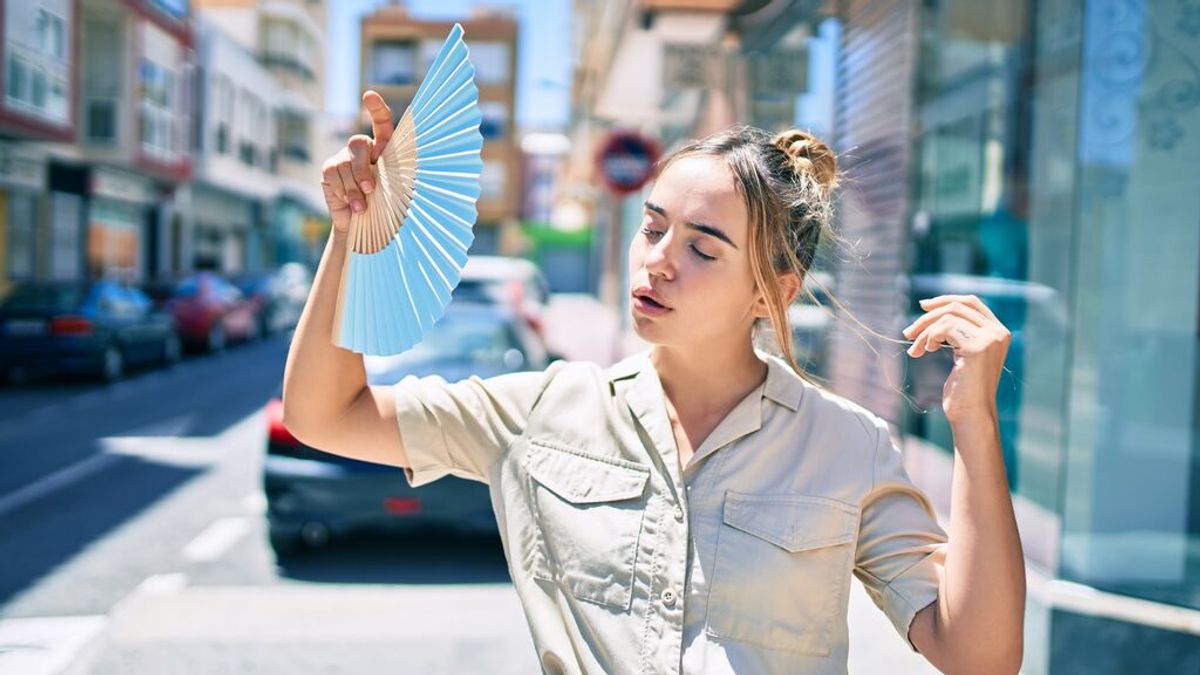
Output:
[[625, 160]]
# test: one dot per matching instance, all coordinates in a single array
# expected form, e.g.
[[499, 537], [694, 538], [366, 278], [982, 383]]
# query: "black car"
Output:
[[312, 495], [99, 328]]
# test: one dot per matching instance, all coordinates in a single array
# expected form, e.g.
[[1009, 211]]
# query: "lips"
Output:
[[647, 294]]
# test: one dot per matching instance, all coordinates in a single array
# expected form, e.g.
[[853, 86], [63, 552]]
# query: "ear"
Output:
[[789, 286]]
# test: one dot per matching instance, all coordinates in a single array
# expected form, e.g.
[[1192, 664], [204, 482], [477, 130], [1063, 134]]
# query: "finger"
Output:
[[949, 331], [969, 300], [353, 194], [360, 163], [381, 121], [965, 311], [331, 183]]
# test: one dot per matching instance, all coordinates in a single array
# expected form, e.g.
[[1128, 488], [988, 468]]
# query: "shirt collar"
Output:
[[782, 386]]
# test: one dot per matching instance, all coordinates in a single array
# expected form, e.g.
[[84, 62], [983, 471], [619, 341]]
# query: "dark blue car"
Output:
[[98, 328], [312, 495]]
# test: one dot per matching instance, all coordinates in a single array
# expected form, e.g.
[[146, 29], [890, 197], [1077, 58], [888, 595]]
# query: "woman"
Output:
[[699, 507]]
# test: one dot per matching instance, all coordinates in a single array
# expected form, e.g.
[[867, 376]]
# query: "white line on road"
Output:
[[55, 481], [216, 539], [199, 452], [45, 645], [255, 503]]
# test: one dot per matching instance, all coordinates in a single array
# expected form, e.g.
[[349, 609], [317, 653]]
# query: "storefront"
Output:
[[1053, 169], [223, 227], [121, 218]]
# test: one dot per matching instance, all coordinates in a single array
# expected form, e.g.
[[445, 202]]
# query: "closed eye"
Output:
[[654, 235]]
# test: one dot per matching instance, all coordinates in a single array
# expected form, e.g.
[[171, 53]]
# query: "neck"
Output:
[[704, 379]]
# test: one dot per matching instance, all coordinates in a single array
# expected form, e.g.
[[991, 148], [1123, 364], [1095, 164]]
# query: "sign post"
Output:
[[625, 161]]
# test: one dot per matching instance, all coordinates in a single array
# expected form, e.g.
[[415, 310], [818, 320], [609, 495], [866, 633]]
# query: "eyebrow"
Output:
[[701, 227]]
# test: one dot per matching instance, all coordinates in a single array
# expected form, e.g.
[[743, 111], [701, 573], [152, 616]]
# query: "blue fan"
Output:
[[408, 246]]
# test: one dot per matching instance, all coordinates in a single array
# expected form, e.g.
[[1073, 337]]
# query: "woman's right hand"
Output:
[[349, 175]]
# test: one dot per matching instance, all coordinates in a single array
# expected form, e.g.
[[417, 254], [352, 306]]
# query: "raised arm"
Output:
[[327, 403]]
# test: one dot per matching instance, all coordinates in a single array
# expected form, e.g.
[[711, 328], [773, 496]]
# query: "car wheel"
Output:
[[172, 350], [315, 534], [112, 365], [216, 338]]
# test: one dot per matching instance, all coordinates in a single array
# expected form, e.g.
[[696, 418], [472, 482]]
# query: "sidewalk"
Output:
[[370, 629]]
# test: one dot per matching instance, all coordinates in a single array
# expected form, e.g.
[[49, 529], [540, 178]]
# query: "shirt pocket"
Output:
[[589, 510], [782, 571]]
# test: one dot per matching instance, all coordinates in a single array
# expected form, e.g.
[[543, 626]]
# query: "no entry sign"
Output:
[[625, 160]]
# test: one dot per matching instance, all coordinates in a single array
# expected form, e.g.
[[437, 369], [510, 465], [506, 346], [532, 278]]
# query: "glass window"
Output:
[[494, 122], [491, 61], [393, 62], [1131, 516], [1057, 181]]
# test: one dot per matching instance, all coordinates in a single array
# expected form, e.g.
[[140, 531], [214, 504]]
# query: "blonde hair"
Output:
[[787, 181]]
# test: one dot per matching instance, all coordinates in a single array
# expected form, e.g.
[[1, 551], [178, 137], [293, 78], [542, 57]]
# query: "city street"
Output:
[[133, 538]]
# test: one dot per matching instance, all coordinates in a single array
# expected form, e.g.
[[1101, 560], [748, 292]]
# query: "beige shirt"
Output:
[[627, 562]]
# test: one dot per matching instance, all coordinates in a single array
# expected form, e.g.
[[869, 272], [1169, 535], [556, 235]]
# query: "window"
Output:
[[101, 82], [157, 110], [22, 225], [492, 180], [393, 62], [38, 64], [491, 60], [494, 122]]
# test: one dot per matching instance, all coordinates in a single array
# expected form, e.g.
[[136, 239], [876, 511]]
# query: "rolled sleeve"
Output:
[[462, 428], [901, 548]]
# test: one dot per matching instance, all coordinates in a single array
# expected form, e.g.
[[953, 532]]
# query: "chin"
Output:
[[651, 330]]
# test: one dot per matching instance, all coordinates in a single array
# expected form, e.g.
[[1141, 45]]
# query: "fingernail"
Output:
[[923, 302], [366, 187], [357, 206]]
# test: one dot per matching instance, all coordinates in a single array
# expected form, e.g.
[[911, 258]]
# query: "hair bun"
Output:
[[810, 156]]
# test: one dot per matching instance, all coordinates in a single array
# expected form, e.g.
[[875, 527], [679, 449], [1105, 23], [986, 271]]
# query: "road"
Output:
[[132, 539]]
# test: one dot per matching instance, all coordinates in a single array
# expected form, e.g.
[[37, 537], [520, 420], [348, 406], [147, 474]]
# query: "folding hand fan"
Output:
[[408, 246]]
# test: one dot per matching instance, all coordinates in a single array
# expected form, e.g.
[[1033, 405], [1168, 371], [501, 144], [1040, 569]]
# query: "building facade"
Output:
[[1043, 155], [286, 39], [397, 49]]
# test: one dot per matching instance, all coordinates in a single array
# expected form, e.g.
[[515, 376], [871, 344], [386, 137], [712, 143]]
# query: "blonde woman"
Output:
[[699, 507]]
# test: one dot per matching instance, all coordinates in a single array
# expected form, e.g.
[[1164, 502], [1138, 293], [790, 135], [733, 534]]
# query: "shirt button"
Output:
[[668, 597], [678, 513]]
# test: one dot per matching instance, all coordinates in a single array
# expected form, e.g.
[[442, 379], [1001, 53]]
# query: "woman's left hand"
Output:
[[980, 343]]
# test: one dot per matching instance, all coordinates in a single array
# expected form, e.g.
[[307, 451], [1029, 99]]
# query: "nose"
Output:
[[658, 258]]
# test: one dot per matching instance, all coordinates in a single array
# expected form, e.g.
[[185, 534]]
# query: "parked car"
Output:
[[515, 282], [211, 312], [313, 496], [259, 288], [99, 328]]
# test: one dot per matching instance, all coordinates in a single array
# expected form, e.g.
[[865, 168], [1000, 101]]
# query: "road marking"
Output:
[[161, 584], [216, 539], [189, 452], [255, 503], [55, 481], [45, 645]]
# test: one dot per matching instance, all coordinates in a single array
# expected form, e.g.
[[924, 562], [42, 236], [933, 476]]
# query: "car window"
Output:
[[138, 299], [188, 288], [464, 336], [39, 296]]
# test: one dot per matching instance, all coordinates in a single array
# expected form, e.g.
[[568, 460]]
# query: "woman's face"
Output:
[[692, 252]]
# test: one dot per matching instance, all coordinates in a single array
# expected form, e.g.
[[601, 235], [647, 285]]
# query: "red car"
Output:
[[210, 312]]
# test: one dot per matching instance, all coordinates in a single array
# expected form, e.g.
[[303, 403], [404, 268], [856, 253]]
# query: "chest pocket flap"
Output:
[[582, 478], [792, 522]]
